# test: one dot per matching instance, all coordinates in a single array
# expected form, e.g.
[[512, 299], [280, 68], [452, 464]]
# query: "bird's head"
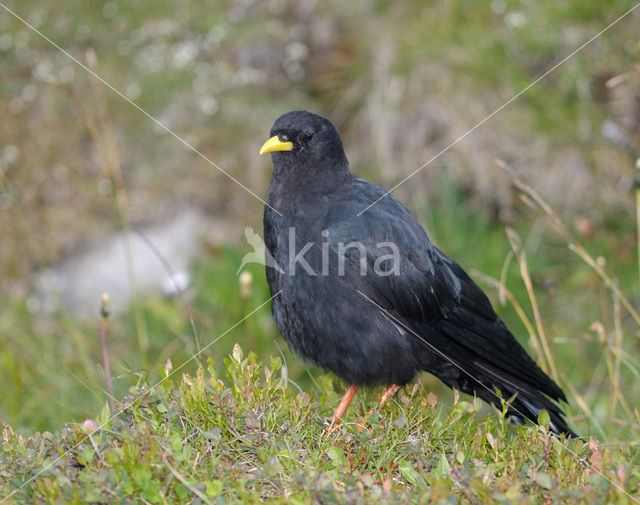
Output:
[[300, 138]]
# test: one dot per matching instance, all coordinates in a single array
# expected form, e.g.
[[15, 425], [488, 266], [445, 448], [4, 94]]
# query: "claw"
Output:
[[332, 424]]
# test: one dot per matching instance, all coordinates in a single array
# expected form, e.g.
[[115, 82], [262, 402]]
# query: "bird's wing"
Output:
[[426, 285], [430, 292]]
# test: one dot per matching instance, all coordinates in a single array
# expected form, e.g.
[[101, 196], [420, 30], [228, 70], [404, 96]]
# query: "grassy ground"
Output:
[[252, 435]]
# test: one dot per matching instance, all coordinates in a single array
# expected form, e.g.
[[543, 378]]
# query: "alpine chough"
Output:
[[368, 296]]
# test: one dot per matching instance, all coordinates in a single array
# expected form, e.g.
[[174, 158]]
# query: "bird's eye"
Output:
[[305, 135], [284, 138]]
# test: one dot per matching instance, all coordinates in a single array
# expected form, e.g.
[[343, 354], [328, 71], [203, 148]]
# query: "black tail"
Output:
[[482, 355], [527, 403], [531, 411]]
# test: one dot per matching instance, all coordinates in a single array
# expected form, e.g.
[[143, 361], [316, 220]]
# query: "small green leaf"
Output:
[[214, 488], [237, 353], [408, 472], [105, 415], [466, 407], [543, 418], [543, 480], [182, 492], [275, 363], [513, 493], [213, 434], [150, 491], [336, 454], [443, 467], [85, 456], [176, 442]]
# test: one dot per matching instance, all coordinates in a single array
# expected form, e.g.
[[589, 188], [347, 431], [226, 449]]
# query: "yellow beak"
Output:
[[275, 144]]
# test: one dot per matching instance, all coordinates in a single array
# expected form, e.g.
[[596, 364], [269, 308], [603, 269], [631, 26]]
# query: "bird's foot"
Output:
[[365, 424], [389, 393], [362, 426], [331, 424]]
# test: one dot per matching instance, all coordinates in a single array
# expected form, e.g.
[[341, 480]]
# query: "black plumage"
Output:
[[371, 313]]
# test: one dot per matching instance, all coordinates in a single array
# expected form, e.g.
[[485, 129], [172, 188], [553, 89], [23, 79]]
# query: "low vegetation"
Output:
[[251, 435]]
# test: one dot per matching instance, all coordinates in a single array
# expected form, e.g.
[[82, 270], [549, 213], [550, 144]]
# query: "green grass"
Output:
[[248, 434]]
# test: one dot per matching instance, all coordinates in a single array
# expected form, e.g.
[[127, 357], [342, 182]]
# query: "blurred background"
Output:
[[97, 197]]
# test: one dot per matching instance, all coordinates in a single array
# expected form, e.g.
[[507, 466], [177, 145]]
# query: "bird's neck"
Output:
[[306, 180]]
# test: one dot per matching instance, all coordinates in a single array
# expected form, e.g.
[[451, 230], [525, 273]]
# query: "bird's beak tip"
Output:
[[275, 144]]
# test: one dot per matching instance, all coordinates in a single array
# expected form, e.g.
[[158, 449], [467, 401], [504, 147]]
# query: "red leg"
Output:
[[388, 393], [344, 403]]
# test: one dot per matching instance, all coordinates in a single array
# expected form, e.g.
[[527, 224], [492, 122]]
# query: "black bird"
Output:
[[360, 289]]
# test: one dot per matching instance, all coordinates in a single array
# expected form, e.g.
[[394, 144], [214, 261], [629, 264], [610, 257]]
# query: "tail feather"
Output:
[[528, 401], [557, 424], [482, 380], [482, 355]]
